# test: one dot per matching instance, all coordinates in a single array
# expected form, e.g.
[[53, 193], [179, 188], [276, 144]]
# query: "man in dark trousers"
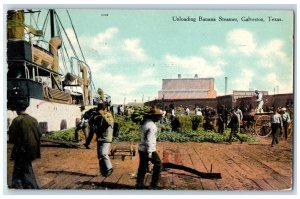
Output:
[[147, 149], [82, 125], [102, 123], [276, 125], [25, 134], [220, 124], [286, 120], [234, 125]]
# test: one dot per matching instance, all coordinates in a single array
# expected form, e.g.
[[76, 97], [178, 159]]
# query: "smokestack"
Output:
[[179, 76], [225, 85]]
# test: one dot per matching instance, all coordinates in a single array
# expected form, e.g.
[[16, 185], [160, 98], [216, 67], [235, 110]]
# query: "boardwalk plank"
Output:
[[283, 181], [242, 166], [201, 163]]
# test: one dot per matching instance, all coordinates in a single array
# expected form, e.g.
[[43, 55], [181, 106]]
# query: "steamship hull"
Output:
[[54, 108], [52, 116]]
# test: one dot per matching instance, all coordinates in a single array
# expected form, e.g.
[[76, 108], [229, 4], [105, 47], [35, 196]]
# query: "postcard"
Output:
[[146, 99]]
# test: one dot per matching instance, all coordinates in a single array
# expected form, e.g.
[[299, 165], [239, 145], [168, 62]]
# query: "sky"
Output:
[[131, 51]]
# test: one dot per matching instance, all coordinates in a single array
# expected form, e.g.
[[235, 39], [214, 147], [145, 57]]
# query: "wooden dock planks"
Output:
[[242, 167]]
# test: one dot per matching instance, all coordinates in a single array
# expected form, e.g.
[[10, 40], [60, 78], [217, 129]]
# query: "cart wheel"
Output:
[[263, 126]]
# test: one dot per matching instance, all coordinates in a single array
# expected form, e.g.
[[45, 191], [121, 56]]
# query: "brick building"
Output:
[[187, 88], [192, 92]]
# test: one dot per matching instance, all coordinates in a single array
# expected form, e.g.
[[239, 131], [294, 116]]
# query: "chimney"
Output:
[[179, 76], [196, 76], [226, 85]]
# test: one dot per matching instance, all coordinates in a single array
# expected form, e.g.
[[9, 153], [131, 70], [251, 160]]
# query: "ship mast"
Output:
[[54, 44], [52, 23]]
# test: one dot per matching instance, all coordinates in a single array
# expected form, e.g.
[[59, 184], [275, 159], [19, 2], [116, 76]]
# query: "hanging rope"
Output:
[[91, 83], [90, 74], [61, 51], [64, 46], [76, 36], [72, 47], [44, 25]]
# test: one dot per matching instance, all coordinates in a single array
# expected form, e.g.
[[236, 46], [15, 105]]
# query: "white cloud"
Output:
[[274, 82], [120, 86], [99, 65], [105, 36], [212, 50], [147, 72], [266, 63], [71, 36], [115, 85], [272, 79], [195, 65], [273, 47], [102, 43], [244, 79], [241, 40], [133, 46]]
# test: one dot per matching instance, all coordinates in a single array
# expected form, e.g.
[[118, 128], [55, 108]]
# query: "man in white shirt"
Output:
[[276, 124], [286, 120], [187, 110], [259, 101], [198, 111], [147, 149], [240, 115]]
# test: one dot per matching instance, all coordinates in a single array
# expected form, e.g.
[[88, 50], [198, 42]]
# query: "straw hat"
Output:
[[154, 112]]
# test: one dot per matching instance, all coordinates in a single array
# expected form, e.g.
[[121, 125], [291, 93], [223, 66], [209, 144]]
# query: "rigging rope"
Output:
[[90, 74], [66, 35], [61, 51], [63, 43], [44, 25], [76, 36]]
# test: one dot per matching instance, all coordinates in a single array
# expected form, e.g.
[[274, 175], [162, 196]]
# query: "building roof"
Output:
[[188, 83], [183, 94]]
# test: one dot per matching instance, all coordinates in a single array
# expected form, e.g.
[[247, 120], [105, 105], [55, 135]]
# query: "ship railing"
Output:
[[33, 72], [42, 47], [83, 63], [80, 62]]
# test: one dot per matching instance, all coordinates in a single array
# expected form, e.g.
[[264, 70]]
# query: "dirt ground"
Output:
[[188, 166]]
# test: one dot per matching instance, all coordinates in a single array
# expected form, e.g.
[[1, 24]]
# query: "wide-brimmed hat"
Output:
[[154, 112], [284, 109]]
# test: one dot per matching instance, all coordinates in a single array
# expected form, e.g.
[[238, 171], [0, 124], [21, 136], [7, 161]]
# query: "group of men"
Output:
[[25, 133], [280, 121], [147, 147]]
